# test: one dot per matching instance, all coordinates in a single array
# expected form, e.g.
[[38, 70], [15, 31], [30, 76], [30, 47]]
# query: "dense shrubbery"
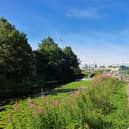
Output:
[[102, 105], [21, 69]]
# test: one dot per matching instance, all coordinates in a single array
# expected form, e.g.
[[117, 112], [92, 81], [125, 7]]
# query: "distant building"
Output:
[[89, 66]]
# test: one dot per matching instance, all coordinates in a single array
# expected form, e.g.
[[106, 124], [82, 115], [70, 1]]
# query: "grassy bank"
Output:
[[101, 104], [58, 93]]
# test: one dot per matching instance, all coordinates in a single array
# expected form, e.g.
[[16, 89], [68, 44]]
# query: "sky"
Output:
[[97, 30]]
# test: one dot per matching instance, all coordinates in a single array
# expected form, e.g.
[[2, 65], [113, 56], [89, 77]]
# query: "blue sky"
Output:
[[97, 30]]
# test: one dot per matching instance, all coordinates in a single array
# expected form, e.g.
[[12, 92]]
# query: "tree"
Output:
[[72, 60], [58, 65], [49, 48], [54, 57], [15, 56], [41, 64]]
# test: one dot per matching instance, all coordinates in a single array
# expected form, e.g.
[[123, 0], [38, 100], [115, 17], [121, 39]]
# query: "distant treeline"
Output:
[[22, 69]]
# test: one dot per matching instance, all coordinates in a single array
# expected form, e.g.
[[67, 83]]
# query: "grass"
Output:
[[76, 84], [58, 93], [120, 113], [100, 104]]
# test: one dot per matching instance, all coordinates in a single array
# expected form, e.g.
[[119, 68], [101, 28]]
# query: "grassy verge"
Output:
[[119, 116], [58, 93], [102, 105]]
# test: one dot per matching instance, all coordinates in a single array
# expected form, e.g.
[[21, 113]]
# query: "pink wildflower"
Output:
[[105, 75], [74, 94], [40, 109], [32, 105], [55, 103]]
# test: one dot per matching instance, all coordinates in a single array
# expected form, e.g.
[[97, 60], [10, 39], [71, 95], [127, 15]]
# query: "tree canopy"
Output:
[[15, 55], [61, 64]]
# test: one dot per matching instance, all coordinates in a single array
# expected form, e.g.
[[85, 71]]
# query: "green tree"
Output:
[[54, 57], [51, 50], [57, 64], [41, 63], [72, 60], [15, 56]]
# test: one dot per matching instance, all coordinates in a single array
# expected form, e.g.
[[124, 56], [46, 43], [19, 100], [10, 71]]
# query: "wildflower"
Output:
[[32, 105], [40, 109], [105, 75], [55, 103], [74, 94]]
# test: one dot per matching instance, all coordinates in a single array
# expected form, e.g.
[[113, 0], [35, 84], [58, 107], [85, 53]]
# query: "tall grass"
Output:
[[103, 105]]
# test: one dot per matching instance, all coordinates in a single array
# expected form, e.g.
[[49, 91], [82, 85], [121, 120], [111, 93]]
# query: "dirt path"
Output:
[[127, 89]]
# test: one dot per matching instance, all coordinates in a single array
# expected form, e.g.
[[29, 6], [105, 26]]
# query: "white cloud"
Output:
[[90, 13]]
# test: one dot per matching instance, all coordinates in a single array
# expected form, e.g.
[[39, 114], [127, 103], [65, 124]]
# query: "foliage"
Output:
[[56, 64], [54, 57], [94, 107], [59, 93], [71, 57], [41, 67], [16, 59], [71, 62]]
